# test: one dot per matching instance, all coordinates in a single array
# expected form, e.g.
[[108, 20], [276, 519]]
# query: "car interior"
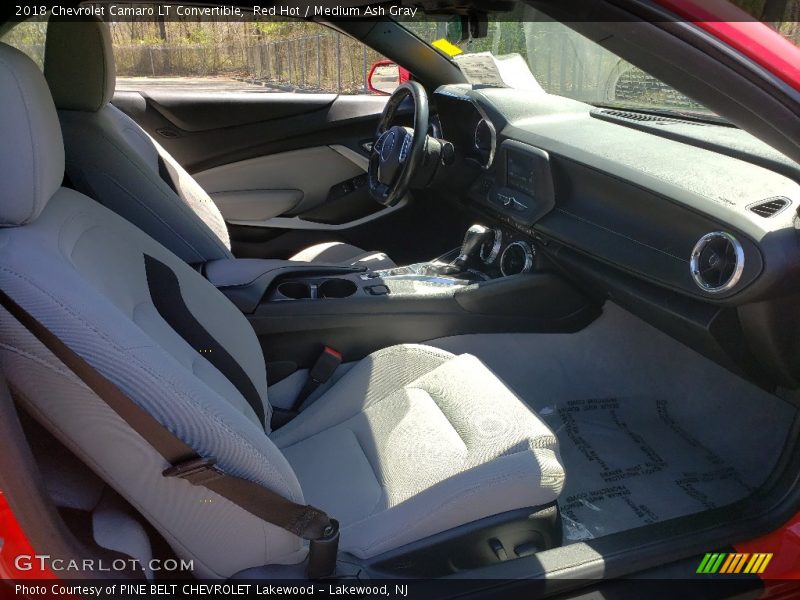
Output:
[[488, 332]]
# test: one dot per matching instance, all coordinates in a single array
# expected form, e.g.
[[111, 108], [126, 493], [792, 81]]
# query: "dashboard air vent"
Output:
[[717, 262], [769, 208], [637, 116], [641, 117]]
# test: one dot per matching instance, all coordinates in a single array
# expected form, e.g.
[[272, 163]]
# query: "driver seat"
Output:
[[113, 160]]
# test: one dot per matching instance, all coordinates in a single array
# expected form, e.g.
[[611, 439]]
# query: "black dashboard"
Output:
[[699, 218]]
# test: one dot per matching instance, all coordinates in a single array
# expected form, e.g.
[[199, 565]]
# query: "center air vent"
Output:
[[717, 262], [769, 208]]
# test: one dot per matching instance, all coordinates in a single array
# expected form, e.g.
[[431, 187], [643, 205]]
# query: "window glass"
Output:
[[240, 56], [564, 62], [28, 37]]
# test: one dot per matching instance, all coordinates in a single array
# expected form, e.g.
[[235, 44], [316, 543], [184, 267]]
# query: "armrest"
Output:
[[230, 272]]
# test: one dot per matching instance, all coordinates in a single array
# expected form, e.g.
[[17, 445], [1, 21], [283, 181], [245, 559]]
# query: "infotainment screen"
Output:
[[520, 172]]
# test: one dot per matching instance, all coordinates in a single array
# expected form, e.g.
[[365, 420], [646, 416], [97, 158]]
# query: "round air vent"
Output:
[[517, 258], [717, 262]]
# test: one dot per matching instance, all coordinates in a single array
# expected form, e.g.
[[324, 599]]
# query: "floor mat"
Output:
[[649, 430], [630, 462]]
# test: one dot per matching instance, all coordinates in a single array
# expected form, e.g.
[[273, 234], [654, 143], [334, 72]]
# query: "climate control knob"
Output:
[[517, 258]]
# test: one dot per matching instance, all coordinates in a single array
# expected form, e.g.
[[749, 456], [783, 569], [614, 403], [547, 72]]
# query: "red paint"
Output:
[[784, 543], [15, 543], [735, 28], [405, 75]]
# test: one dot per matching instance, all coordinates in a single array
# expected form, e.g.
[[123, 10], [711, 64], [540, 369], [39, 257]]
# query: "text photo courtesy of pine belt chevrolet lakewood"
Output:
[[424, 299]]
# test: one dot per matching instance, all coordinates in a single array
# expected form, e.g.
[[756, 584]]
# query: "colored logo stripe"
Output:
[[730, 564]]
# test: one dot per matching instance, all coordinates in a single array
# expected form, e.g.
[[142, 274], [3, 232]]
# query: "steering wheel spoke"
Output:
[[398, 151]]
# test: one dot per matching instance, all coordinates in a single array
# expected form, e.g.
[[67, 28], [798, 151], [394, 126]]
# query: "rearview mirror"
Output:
[[474, 25], [386, 76]]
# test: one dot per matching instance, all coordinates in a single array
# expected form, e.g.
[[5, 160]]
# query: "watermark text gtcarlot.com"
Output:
[[30, 562]]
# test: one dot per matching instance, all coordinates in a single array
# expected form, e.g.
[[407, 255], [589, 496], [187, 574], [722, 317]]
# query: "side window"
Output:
[[28, 37], [293, 56]]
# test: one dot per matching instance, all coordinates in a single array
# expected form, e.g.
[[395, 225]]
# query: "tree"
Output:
[[774, 11]]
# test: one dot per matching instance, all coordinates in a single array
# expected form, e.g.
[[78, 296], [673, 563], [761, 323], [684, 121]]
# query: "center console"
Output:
[[493, 283]]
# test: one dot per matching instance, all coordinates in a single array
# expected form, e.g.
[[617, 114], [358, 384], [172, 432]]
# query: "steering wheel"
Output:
[[398, 151]]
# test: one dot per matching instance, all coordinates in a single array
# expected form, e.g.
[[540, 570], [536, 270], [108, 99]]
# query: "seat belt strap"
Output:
[[305, 521], [320, 373], [165, 172]]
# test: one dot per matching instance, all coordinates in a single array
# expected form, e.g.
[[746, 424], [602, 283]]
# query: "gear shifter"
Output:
[[471, 247], [469, 253]]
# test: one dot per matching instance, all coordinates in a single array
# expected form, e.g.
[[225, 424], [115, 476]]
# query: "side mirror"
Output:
[[385, 77]]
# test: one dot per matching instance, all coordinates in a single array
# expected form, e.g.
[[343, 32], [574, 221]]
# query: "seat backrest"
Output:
[[97, 282], [113, 160]]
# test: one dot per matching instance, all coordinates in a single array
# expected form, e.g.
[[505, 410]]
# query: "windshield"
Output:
[[532, 52]]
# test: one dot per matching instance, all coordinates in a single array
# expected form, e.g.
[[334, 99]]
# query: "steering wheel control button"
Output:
[[377, 290]]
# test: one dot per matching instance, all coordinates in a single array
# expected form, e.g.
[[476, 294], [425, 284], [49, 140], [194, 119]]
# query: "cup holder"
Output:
[[296, 290], [337, 288]]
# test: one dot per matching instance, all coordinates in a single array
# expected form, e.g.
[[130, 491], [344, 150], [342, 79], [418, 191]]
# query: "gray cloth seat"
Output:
[[411, 441], [110, 158]]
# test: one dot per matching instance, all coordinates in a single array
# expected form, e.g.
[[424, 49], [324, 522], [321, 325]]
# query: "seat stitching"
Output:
[[34, 153], [181, 204], [54, 368], [381, 483], [444, 414], [104, 74], [398, 350], [158, 217]]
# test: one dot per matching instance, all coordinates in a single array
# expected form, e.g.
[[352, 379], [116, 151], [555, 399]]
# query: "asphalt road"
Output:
[[196, 84]]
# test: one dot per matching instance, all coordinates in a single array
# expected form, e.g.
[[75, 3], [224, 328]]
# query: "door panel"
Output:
[[200, 111], [279, 165], [278, 184], [203, 130]]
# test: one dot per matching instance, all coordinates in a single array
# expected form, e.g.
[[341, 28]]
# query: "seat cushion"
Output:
[[344, 254], [413, 441]]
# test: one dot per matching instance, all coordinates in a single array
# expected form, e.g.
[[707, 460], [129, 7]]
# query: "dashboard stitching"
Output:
[[622, 235]]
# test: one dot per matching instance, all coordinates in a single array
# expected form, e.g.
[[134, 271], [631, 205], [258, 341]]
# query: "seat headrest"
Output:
[[79, 63], [31, 147]]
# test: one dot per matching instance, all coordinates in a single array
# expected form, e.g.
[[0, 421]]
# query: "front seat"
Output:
[[411, 441], [113, 160]]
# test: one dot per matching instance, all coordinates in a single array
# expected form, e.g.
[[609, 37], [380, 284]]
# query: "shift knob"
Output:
[[470, 248]]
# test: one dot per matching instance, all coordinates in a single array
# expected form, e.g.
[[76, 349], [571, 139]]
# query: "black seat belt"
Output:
[[320, 374], [305, 521], [323, 369]]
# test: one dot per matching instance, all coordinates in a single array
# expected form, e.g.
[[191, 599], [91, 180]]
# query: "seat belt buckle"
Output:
[[197, 471], [320, 373], [325, 366], [323, 552]]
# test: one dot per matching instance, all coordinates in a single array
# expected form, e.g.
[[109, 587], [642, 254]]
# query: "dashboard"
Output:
[[689, 220]]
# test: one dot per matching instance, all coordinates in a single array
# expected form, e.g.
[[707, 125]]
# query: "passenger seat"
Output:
[[411, 442]]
